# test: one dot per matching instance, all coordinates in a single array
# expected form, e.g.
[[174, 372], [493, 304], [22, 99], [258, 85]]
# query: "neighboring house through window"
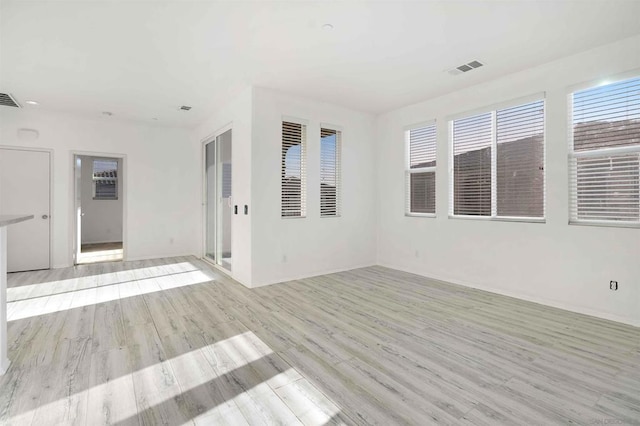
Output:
[[498, 163], [604, 154]]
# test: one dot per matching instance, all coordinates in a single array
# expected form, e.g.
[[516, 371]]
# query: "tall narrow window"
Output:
[[330, 176], [293, 170], [105, 179], [421, 170], [604, 159], [498, 163]]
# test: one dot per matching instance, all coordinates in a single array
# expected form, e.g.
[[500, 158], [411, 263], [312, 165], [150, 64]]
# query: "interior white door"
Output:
[[24, 189]]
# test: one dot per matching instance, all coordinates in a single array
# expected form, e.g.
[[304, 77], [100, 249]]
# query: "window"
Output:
[[421, 170], [604, 158], [330, 179], [498, 163], [105, 179], [293, 175]]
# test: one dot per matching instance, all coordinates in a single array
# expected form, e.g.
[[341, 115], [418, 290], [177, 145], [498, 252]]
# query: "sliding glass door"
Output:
[[219, 207]]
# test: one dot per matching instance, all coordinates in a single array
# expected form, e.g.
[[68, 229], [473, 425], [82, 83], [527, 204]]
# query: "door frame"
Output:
[[73, 248], [51, 186], [205, 141]]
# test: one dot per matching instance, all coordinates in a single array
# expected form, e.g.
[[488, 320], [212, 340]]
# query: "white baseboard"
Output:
[[311, 274], [159, 256], [540, 300]]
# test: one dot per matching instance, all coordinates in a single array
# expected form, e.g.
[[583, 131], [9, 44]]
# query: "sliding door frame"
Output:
[[211, 138]]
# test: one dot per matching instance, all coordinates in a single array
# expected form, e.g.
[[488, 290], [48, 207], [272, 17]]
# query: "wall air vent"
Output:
[[465, 68], [7, 100], [185, 108]]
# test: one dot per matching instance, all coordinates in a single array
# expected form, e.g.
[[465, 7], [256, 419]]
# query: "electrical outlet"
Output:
[[613, 285]]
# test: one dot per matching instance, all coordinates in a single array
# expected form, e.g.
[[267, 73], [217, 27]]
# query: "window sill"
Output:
[[607, 224], [293, 217], [500, 219], [432, 215]]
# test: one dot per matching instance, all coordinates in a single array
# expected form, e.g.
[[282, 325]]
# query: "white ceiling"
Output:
[[144, 59]]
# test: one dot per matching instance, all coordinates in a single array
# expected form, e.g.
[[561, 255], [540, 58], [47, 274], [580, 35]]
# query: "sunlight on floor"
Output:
[[55, 296], [100, 256], [286, 395]]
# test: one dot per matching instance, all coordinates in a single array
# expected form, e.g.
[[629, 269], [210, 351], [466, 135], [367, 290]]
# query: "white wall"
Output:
[[311, 245], [237, 116], [159, 172], [102, 220], [553, 263]]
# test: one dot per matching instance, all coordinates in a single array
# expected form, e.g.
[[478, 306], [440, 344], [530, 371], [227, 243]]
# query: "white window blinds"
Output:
[[293, 169], [520, 160], [498, 163], [472, 146], [421, 171], [330, 172], [604, 159]]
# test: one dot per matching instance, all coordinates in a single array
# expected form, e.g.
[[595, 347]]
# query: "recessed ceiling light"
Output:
[[31, 102], [107, 113], [327, 27]]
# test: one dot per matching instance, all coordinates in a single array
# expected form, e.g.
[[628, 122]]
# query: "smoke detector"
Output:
[[465, 67]]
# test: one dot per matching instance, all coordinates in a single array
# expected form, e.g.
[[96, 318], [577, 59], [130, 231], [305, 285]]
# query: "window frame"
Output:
[[338, 169], [303, 165], [493, 109], [408, 171], [593, 153]]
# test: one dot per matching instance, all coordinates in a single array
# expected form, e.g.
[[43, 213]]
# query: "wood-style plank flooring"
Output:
[[171, 341]]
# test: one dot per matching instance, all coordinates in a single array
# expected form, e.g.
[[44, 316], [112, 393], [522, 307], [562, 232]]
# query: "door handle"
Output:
[[44, 216]]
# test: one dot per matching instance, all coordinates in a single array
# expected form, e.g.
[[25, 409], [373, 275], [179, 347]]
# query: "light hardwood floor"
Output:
[[171, 341]]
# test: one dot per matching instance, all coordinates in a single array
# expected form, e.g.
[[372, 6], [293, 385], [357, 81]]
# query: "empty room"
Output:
[[319, 212]]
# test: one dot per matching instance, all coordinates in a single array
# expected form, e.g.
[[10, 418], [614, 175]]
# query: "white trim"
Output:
[[313, 274], [602, 81], [51, 189], [498, 106], [500, 218], [329, 126], [409, 214], [610, 223], [420, 125], [605, 152], [212, 138], [296, 120]]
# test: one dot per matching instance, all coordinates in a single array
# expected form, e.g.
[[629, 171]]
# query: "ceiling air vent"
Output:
[[465, 67], [7, 100], [185, 108]]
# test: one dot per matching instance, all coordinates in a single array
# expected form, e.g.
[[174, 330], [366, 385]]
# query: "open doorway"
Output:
[[99, 209]]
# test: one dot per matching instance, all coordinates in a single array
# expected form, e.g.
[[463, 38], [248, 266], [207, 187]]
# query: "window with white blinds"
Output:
[[420, 192], [105, 179], [293, 169], [330, 172], [604, 158], [498, 163]]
